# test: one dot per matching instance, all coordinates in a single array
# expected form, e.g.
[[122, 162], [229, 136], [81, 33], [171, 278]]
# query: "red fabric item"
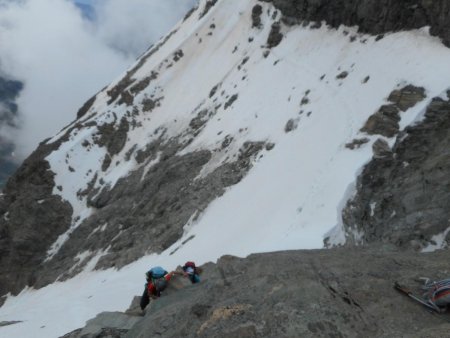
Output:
[[151, 288]]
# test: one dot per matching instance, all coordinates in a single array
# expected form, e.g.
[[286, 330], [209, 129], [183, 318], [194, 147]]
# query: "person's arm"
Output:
[[169, 276]]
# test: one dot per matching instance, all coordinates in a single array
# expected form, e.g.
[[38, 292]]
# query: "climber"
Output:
[[157, 281], [192, 272]]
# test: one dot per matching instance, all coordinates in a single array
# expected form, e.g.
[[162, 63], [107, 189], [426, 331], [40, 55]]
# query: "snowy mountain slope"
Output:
[[290, 76], [225, 138]]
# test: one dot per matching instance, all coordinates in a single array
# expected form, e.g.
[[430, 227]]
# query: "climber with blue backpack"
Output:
[[157, 281]]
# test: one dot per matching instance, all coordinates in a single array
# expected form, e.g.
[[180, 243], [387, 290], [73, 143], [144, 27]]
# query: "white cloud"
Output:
[[63, 60], [129, 25]]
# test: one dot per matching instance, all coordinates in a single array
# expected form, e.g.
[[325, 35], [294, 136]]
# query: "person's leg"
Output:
[[144, 299], [194, 278]]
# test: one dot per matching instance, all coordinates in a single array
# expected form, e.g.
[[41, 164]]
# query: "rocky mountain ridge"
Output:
[[371, 16]]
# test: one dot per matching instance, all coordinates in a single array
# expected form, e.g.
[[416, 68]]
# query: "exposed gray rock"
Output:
[[291, 125], [177, 55], [357, 143], [256, 16], [208, 5], [105, 325], [135, 307], [403, 199], [86, 106], [270, 146], [200, 120], [381, 149], [407, 97], [214, 90], [149, 104], [10, 323], [386, 120], [230, 101], [371, 16], [318, 293], [113, 138], [275, 35], [342, 75], [141, 85], [127, 80]]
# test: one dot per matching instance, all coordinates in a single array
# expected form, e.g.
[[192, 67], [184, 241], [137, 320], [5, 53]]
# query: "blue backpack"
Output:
[[156, 273]]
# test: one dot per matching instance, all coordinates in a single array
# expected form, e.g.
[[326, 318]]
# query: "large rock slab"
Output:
[[345, 292]]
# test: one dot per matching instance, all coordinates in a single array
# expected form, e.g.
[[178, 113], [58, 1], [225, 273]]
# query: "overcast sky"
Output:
[[63, 59]]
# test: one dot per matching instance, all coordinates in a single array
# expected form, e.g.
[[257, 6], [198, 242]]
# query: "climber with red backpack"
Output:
[[157, 281], [192, 272]]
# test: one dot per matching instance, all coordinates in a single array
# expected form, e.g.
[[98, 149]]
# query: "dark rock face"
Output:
[[32, 219], [372, 16], [404, 198], [319, 293]]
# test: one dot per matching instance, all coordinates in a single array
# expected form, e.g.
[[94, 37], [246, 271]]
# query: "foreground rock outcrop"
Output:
[[320, 293]]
